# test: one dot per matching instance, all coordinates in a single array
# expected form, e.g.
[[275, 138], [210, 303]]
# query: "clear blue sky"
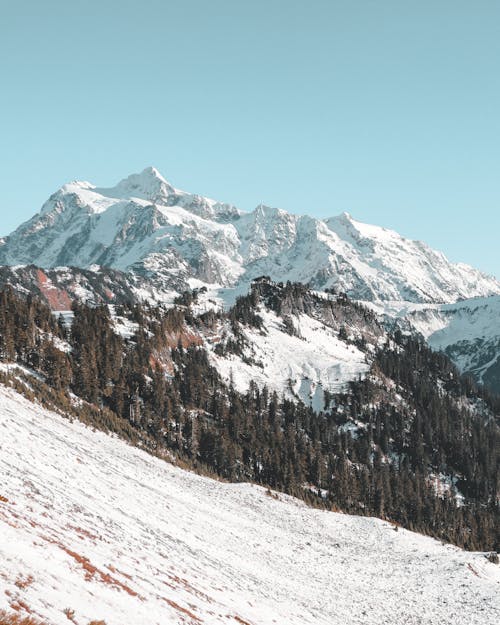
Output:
[[389, 109]]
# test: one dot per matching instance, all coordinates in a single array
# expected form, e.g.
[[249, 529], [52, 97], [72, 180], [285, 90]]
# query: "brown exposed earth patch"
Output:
[[238, 619], [16, 619], [24, 582], [182, 610], [92, 572], [56, 298], [180, 581], [83, 533]]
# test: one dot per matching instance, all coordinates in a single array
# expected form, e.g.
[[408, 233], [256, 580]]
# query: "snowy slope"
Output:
[[468, 331], [301, 366], [146, 226], [91, 525], [304, 343], [401, 269]]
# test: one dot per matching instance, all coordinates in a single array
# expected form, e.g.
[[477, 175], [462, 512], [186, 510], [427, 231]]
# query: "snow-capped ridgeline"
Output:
[[166, 241], [92, 528], [146, 226]]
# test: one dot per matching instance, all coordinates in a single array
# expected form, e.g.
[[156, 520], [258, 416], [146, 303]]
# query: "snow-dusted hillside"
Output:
[[146, 226], [93, 529], [303, 365], [60, 286], [305, 343]]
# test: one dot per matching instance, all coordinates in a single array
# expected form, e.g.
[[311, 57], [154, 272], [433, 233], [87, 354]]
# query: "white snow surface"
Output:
[[464, 321], [91, 524], [468, 330], [302, 366], [145, 225]]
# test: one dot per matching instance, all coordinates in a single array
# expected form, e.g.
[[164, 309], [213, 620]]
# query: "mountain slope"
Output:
[[178, 240], [302, 344], [93, 528], [468, 332], [389, 444], [62, 286]]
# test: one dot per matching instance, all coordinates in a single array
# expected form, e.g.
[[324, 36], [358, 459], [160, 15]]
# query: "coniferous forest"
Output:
[[428, 461]]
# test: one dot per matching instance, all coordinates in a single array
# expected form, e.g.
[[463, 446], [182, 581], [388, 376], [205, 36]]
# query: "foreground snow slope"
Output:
[[90, 524]]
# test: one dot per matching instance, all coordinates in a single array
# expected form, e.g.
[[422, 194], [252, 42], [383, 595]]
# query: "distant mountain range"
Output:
[[143, 238], [145, 226]]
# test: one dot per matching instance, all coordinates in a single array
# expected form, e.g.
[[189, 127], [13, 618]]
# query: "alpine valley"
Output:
[[202, 409]]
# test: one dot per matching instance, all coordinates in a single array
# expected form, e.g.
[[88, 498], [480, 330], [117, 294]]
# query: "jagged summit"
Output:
[[152, 171], [149, 185], [144, 225], [360, 229]]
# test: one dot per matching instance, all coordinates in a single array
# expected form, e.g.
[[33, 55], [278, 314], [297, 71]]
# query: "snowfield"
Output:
[[94, 527], [302, 366]]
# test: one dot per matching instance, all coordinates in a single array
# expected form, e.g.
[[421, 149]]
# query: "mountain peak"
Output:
[[152, 174], [149, 185], [191, 237], [265, 210], [349, 224]]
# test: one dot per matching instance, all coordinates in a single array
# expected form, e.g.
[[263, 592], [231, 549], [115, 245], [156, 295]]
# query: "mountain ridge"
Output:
[[144, 225], [146, 239], [389, 442]]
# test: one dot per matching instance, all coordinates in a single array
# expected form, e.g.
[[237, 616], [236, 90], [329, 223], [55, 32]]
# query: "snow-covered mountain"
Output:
[[146, 240], [469, 332], [179, 240], [95, 530]]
